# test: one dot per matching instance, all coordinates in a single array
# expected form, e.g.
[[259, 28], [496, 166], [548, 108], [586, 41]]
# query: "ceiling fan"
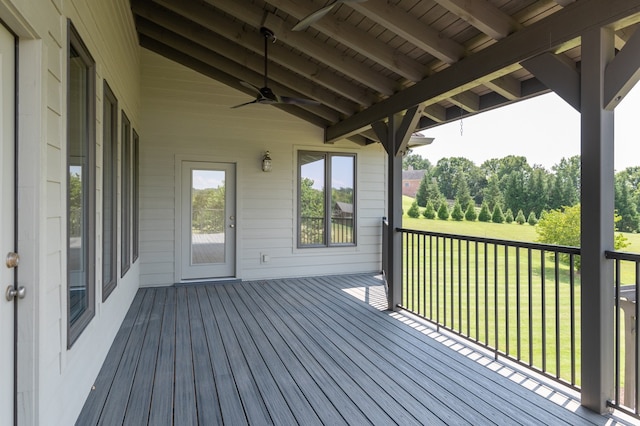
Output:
[[318, 14], [265, 95]]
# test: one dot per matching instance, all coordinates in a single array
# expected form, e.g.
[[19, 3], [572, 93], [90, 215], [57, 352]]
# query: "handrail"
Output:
[[518, 299]]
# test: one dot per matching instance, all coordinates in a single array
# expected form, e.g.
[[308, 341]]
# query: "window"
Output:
[[136, 194], [109, 195], [80, 186], [125, 253], [326, 199]]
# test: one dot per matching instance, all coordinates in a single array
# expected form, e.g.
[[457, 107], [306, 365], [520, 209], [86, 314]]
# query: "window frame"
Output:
[[75, 43], [136, 196], [328, 208], [109, 198], [125, 195]]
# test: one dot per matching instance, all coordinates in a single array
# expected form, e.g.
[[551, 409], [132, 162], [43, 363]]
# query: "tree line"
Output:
[[510, 189]]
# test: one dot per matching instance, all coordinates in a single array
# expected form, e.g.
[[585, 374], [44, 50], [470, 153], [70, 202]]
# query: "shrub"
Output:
[[520, 219], [429, 212], [508, 216], [497, 216], [414, 211], [532, 219], [443, 212], [470, 214], [484, 215], [457, 213]]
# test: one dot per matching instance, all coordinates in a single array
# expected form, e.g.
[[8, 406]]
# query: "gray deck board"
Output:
[[300, 351]]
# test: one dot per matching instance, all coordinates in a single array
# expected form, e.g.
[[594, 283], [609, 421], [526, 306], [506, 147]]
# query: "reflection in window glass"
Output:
[[312, 199], [109, 175], [207, 216], [326, 217], [342, 199], [80, 187]]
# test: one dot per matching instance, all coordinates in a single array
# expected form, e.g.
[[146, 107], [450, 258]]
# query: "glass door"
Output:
[[208, 220]]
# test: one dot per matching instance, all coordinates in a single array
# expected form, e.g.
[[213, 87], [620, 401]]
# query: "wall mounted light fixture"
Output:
[[266, 162]]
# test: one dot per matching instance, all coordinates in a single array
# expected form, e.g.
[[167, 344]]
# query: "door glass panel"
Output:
[[207, 216]]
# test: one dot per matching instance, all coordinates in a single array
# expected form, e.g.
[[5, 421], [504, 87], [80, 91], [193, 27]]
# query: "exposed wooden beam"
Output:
[[468, 101], [623, 72], [214, 21], [303, 42], [435, 112], [498, 59], [506, 86], [221, 76], [482, 15], [411, 29], [358, 40], [200, 35], [406, 128], [564, 3], [206, 56], [559, 74]]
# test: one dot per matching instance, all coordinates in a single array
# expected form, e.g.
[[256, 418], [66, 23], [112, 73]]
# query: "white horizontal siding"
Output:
[[186, 115], [55, 387]]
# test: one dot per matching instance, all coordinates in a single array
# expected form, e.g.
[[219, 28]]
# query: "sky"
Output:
[[543, 129]]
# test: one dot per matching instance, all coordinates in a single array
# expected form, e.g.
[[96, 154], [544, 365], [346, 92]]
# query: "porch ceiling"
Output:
[[367, 60]]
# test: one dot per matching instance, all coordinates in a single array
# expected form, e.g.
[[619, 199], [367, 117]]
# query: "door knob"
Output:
[[232, 226], [12, 293]]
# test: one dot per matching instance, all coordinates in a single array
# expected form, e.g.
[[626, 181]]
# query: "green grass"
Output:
[[510, 310]]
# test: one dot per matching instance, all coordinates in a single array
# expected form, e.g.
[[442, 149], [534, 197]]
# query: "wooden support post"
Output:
[[597, 184], [394, 136]]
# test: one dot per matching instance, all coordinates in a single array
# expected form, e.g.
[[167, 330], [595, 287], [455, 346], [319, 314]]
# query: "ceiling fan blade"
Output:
[[309, 20], [250, 86], [255, 101], [298, 101]]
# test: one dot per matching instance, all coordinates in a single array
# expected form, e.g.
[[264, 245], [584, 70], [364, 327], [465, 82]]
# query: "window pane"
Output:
[[207, 216], [109, 155], [312, 199], [342, 199], [136, 195], [80, 187], [125, 260]]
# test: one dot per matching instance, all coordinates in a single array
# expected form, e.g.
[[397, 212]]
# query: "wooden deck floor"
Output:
[[304, 351]]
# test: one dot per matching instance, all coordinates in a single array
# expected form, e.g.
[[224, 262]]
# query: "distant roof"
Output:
[[413, 174], [344, 207]]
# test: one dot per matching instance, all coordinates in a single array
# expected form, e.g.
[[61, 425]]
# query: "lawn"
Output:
[[486, 292]]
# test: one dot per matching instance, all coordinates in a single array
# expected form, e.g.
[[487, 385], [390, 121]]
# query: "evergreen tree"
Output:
[[462, 189], [414, 211], [497, 216], [443, 211], [537, 197], [532, 219], [514, 193], [429, 212], [421, 194], [508, 216], [520, 219], [470, 214], [492, 193], [457, 213], [484, 215]]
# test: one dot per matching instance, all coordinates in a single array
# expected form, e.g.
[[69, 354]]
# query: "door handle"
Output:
[[232, 226], [12, 293]]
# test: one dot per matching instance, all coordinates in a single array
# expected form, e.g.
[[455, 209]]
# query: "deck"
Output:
[[304, 351]]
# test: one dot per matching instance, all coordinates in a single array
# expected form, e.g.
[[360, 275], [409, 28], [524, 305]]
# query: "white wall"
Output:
[[54, 381], [185, 114]]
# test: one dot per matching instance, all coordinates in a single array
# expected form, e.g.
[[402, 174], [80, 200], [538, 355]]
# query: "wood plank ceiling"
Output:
[[366, 60]]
